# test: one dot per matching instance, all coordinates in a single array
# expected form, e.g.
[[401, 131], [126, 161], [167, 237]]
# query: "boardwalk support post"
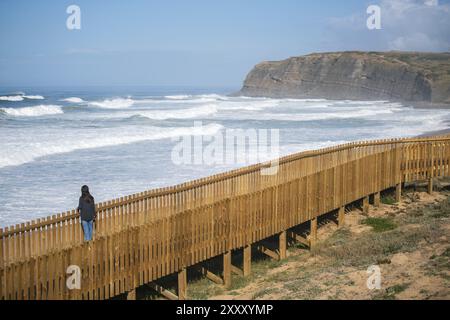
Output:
[[398, 192], [313, 233], [131, 295], [430, 185], [376, 199], [247, 265], [341, 217], [227, 269], [365, 205], [282, 244], [182, 284]]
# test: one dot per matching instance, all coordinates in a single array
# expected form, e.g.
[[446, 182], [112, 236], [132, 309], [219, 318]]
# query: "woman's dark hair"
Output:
[[86, 195]]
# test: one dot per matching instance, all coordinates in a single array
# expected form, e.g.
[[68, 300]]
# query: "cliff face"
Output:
[[354, 75]]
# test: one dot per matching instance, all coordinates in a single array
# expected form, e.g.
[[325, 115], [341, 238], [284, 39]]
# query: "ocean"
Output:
[[120, 141]]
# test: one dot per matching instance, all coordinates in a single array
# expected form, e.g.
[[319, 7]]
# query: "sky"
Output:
[[198, 42]]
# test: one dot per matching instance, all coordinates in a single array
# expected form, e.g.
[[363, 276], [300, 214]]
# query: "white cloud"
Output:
[[432, 2], [410, 25], [415, 42]]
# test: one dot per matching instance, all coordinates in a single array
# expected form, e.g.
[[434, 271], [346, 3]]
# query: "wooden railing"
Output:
[[146, 236]]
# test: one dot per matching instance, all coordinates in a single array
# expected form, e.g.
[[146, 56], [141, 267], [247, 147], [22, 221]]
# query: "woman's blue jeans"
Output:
[[87, 229]]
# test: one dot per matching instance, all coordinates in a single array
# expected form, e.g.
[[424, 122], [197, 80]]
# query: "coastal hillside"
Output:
[[404, 76]]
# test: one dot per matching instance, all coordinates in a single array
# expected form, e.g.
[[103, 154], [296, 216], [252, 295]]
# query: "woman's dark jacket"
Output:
[[87, 210]]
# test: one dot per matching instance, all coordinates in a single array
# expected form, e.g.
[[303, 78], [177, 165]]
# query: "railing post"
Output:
[[341, 217], [431, 170], [182, 284], [282, 244], [247, 265], [227, 269]]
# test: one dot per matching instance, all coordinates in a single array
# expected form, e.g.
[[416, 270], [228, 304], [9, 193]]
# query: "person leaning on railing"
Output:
[[86, 208]]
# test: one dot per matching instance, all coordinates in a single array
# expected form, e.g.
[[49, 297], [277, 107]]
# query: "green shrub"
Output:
[[380, 224]]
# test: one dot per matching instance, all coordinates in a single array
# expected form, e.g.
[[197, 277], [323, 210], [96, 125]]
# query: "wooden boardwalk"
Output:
[[146, 236]]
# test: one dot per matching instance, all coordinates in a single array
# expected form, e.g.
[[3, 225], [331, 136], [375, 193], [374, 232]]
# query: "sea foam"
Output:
[[73, 100], [35, 111], [117, 103], [11, 98], [33, 148], [188, 113], [34, 97]]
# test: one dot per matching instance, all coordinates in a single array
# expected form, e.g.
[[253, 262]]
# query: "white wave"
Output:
[[73, 100], [11, 98], [178, 97], [198, 97], [212, 96], [35, 111], [118, 103], [248, 106], [48, 142], [364, 113], [189, 113], [35, 97]]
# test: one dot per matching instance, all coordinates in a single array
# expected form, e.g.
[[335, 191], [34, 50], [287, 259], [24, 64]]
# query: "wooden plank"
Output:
[[237, 270], [299, 238], [210, 275], [274, 255], [164, 292]]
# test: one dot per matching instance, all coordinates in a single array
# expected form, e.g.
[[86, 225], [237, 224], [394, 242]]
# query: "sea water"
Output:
[[119, 141]]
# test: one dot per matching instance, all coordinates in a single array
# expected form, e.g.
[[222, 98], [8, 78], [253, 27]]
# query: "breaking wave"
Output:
[[20, 97], [73, 100], [118, 103], [35, 111], [188, 113], [11, 98], [36, 97], [30, 150]]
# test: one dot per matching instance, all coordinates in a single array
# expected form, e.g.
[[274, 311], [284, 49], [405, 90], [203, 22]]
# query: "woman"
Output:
[[86, 207]]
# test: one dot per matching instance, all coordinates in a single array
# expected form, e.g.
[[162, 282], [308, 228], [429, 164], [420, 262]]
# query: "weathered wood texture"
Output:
[[143, 237]]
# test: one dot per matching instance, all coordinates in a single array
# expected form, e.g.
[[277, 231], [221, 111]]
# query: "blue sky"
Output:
[[197, 42]]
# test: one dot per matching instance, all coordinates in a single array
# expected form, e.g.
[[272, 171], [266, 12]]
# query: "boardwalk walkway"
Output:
[[146, 236]]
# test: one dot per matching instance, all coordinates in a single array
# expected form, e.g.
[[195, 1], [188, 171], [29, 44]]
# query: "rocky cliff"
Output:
[[405, 76]]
